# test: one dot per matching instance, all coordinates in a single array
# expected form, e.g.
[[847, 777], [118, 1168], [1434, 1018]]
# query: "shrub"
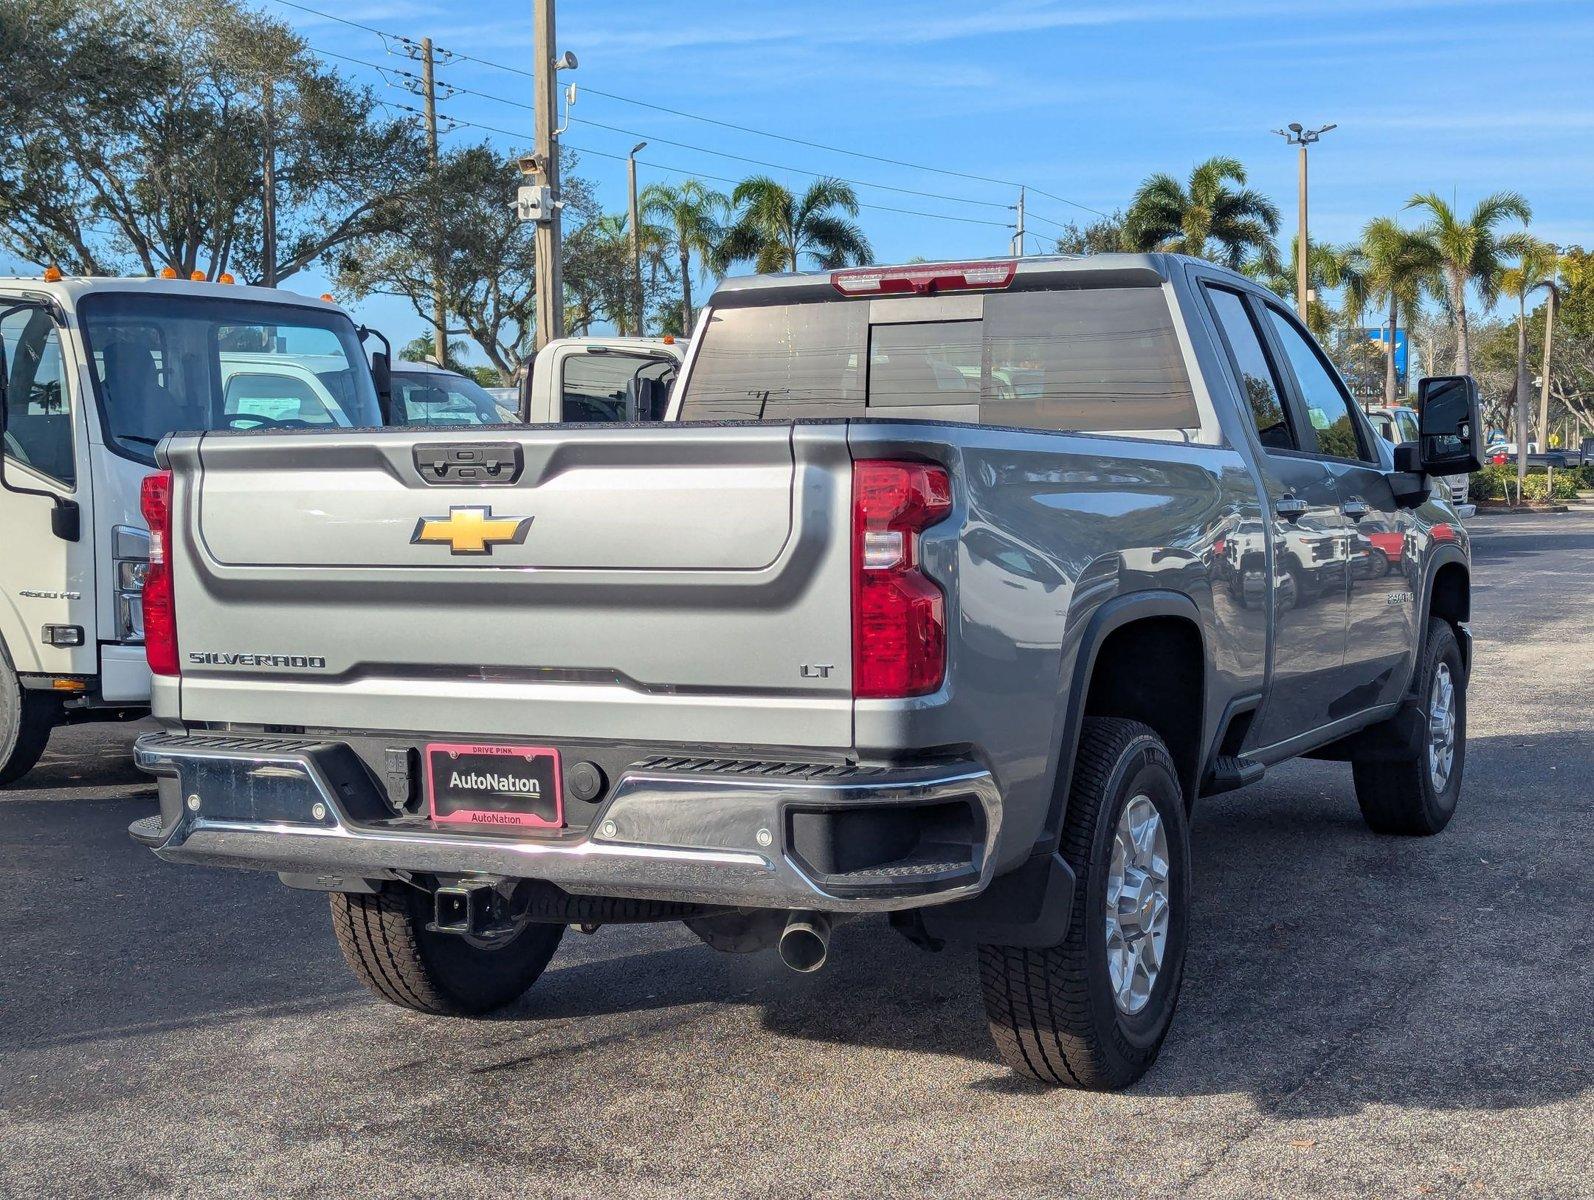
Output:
[[1499, 483]]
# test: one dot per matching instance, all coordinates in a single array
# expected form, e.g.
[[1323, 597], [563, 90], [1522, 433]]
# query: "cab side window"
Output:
[[1327, 404], [38, 409], [1264, 398]]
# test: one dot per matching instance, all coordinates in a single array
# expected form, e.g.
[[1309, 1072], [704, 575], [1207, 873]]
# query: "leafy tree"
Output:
[[1101, 236], [774, 228], [1534, 269], [135, 136], [1399, 266], [694, 216], [600, 276], [1471, 253], [459, 224], [1207, 218], [423, 350]]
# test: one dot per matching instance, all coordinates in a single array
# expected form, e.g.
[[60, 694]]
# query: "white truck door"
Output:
[[47, 585]]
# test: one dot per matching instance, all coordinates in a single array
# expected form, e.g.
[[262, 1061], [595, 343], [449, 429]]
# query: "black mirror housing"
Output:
[[1449, 427]]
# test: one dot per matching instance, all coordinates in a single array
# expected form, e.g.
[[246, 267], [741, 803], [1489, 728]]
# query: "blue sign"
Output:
[[1381, 336]]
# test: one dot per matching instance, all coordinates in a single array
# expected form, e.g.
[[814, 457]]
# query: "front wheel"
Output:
[[1416, 795], [1092, 1011], [26, 719], [385, 941]]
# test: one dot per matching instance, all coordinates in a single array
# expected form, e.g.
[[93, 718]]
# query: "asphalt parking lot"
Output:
[[1361, 1015]]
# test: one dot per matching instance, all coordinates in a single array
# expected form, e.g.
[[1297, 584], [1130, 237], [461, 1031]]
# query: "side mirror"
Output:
[[1450, 434], [381, 372], [66, 520], [382, 377]]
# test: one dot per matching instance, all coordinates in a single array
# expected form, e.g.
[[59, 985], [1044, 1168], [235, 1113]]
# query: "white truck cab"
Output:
[[601, 379], [93, 373]]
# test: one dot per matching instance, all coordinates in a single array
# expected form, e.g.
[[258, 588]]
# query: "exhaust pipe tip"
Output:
[[805, 942]]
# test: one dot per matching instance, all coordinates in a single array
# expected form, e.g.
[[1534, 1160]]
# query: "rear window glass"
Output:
[[1088, 360], [779, 362]]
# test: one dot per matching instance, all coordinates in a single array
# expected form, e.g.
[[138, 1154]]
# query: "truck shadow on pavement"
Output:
[[1331, 969]]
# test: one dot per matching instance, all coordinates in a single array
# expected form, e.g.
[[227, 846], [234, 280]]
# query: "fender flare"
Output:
[[1032, 904], [1108, 617], [1443, 555]]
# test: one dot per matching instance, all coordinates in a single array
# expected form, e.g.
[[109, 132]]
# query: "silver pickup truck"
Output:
[[947, 591]]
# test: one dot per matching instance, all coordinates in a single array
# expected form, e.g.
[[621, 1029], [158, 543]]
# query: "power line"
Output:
[[657, 166], [897, 162], [757, 162]]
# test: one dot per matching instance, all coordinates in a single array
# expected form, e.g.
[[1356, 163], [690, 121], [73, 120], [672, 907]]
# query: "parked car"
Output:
[[427, 394], [93, 374], [917, 607]]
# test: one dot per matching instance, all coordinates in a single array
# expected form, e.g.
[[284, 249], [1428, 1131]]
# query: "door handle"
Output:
[[1290, 508], [1355, 509]]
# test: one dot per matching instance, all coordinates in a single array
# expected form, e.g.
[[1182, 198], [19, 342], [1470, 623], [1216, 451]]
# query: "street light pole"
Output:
[[1298, 135], [636, 232]]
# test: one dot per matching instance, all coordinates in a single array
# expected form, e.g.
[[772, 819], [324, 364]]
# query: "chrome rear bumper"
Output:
[[309, 810]]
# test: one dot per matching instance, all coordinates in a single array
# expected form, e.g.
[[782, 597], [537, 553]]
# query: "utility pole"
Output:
[[268, 185], [550, 270], [1298, 135], [1018, 236], [636, 232], [429, 97]]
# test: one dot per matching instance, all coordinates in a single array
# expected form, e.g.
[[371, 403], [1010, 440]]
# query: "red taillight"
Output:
[[924, 280], [160, 617], [898, 618]]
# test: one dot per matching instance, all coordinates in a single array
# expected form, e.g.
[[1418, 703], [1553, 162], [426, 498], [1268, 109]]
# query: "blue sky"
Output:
[[1081, 99]]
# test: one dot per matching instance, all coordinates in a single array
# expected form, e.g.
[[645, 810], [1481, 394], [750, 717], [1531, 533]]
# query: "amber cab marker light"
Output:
[[168, 272], [224, 277], [327, 296], [197, 276], [52, 274]]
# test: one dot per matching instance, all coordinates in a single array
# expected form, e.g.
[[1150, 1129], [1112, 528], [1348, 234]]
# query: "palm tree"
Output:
[[1327, 267], [1470, 251], [693, 214], [1400, 264], [1208, 218], [1535, 268], [1552, 293], [774, 229]]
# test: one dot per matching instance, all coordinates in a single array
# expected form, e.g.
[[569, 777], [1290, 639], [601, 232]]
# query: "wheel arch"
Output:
[[1122, 638]]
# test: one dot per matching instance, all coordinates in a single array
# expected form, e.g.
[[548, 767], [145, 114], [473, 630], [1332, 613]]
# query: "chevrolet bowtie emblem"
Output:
[[471, 529]]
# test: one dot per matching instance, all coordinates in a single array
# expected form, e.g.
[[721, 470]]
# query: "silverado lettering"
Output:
[[213, 658]]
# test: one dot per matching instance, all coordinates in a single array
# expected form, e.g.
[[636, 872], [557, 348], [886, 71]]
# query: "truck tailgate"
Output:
[[661, 583]]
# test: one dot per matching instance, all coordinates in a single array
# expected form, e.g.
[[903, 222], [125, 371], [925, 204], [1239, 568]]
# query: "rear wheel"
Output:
[[385, 941], [26, 719], [1092, 1011], [1416, 795]]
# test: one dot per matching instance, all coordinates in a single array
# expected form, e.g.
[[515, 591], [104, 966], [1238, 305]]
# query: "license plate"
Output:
[[505, 786]]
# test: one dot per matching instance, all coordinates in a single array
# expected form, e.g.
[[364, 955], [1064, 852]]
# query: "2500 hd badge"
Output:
[[212, 658]]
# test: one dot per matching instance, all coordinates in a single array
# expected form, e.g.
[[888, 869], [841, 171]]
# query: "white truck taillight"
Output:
[[160, 617], [898, 613]]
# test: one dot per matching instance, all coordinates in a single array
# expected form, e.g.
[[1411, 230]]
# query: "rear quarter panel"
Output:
[[1046, 529]]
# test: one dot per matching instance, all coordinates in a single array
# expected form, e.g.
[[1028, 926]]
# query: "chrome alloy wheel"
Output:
[[1441, 728], [1138, 899]]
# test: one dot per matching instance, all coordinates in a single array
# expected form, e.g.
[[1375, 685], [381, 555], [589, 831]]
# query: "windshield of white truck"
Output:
[[1088, 360], [163, 363]]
